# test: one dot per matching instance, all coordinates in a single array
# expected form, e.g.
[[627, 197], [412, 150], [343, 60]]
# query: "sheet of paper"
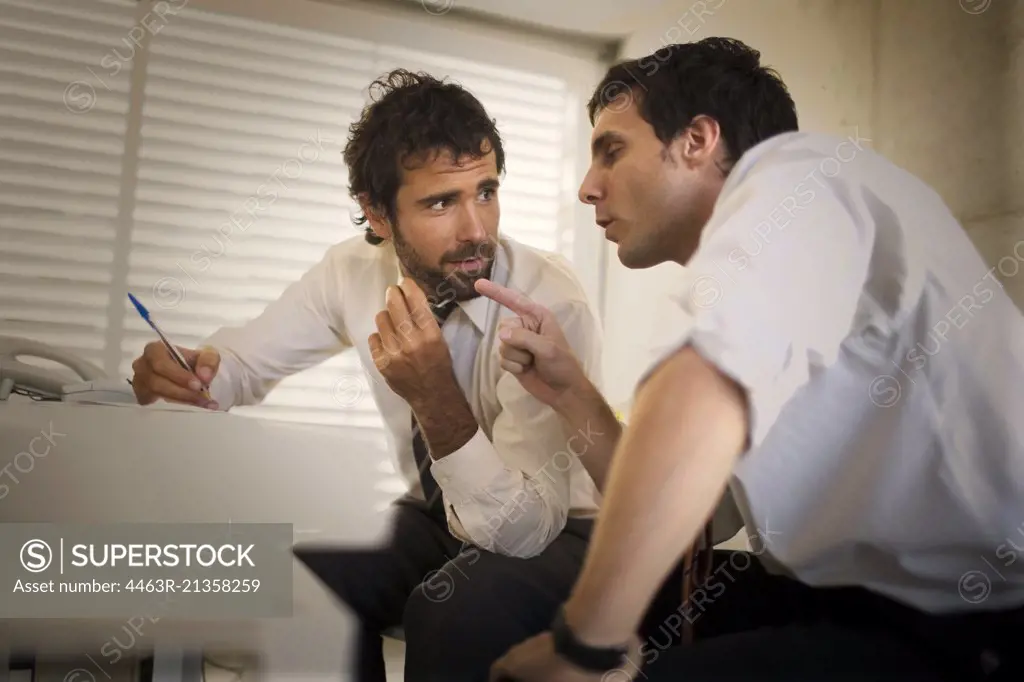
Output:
[[160, 406]]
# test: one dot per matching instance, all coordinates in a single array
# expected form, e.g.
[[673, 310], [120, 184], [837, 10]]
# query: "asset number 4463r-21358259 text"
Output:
[[194, 585]]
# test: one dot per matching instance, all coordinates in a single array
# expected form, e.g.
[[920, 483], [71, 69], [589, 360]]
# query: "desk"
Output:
[[135, 464]]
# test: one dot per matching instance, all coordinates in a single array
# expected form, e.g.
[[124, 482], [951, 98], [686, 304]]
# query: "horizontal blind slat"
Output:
[[113, 13]]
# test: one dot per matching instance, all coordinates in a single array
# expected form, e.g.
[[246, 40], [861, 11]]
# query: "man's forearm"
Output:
[[445, 418], [670, 470], [585, 411]]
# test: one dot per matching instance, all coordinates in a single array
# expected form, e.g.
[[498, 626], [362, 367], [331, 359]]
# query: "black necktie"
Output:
[[431, 491]]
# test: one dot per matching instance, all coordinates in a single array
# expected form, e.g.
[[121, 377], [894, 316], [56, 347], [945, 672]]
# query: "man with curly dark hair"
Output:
[[495, 526]]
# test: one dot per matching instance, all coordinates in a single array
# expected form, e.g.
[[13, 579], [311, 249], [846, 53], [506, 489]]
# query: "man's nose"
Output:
[[589, 192], [471, 227]]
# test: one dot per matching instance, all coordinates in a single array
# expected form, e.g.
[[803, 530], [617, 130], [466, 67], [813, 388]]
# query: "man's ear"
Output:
[[379, 223], [700, 143]]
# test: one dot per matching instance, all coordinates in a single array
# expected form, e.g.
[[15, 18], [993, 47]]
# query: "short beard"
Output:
[[440, 287]]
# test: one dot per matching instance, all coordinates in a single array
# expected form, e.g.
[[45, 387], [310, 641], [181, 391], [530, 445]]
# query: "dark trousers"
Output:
[[751, 625], [461, 607]]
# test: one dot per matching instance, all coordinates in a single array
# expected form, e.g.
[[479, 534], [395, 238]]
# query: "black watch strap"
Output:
[[594, 659]]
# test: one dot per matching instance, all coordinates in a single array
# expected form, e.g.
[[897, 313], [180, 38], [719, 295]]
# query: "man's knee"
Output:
[[465, 594], [441, 602], [431, 597]]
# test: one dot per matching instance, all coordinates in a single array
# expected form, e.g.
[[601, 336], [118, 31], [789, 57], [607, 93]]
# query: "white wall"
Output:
[[925, 81]]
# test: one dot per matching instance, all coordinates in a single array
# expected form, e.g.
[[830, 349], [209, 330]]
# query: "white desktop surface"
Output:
[[115, 464]]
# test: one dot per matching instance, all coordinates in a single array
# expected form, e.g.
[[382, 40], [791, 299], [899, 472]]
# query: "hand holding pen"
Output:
[[165, 371]]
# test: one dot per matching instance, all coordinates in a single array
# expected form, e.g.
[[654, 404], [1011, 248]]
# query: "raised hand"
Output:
[[533, 347], [408, 348]]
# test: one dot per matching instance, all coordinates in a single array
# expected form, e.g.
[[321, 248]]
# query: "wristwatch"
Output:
[[594, 659]]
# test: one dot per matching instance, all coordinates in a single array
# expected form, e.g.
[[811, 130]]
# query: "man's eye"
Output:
[[488, 194], [611, 154], [440, 205]]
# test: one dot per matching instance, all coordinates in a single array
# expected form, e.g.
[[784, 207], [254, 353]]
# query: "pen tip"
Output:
[[138, 305]]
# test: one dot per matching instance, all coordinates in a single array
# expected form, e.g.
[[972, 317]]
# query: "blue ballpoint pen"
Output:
[[175, 353]]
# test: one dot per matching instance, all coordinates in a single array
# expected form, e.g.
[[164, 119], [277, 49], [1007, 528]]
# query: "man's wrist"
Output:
[[589, 626], [585, 405], [446, 419], [570, 645], [435, 393], [579, 401]]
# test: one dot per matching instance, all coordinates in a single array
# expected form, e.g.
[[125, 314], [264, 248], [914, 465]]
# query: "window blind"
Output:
[[61, 149], [242, 188]]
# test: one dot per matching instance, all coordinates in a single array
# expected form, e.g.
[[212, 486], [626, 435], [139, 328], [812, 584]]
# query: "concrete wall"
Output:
[[927, 81], [1000, 238], [1014, 79]]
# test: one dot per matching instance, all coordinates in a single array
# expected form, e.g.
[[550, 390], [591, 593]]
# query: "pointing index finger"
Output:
[[511, 299]]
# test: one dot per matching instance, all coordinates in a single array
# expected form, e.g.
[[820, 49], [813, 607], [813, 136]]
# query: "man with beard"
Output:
[[491, 537]]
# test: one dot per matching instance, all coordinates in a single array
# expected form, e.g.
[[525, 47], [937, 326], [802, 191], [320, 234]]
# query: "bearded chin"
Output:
[[457, 285], [438, 285]]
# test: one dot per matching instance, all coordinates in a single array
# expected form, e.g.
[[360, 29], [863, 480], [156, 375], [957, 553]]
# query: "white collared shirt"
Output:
[[884, 365], [510, 488]]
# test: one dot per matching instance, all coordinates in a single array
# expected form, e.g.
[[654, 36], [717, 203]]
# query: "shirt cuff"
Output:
[[471, 468], [221, 389]]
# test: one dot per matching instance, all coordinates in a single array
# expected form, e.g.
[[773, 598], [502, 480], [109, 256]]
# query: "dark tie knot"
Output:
[[443, 310]]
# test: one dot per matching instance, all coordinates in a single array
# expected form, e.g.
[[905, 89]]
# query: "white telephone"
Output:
[[44, 384]]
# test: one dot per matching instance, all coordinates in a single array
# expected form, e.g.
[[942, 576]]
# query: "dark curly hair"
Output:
[[410, 116], [718, 77]]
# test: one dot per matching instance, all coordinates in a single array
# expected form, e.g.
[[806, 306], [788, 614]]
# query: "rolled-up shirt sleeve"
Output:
[[772, 291], [511, 491]]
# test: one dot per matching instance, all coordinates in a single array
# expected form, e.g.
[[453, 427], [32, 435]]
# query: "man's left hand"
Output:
[[408, 348], [535, 660]]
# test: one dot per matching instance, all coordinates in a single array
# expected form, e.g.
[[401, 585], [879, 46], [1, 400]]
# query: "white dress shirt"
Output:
[[884, 366], [510, 488]]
